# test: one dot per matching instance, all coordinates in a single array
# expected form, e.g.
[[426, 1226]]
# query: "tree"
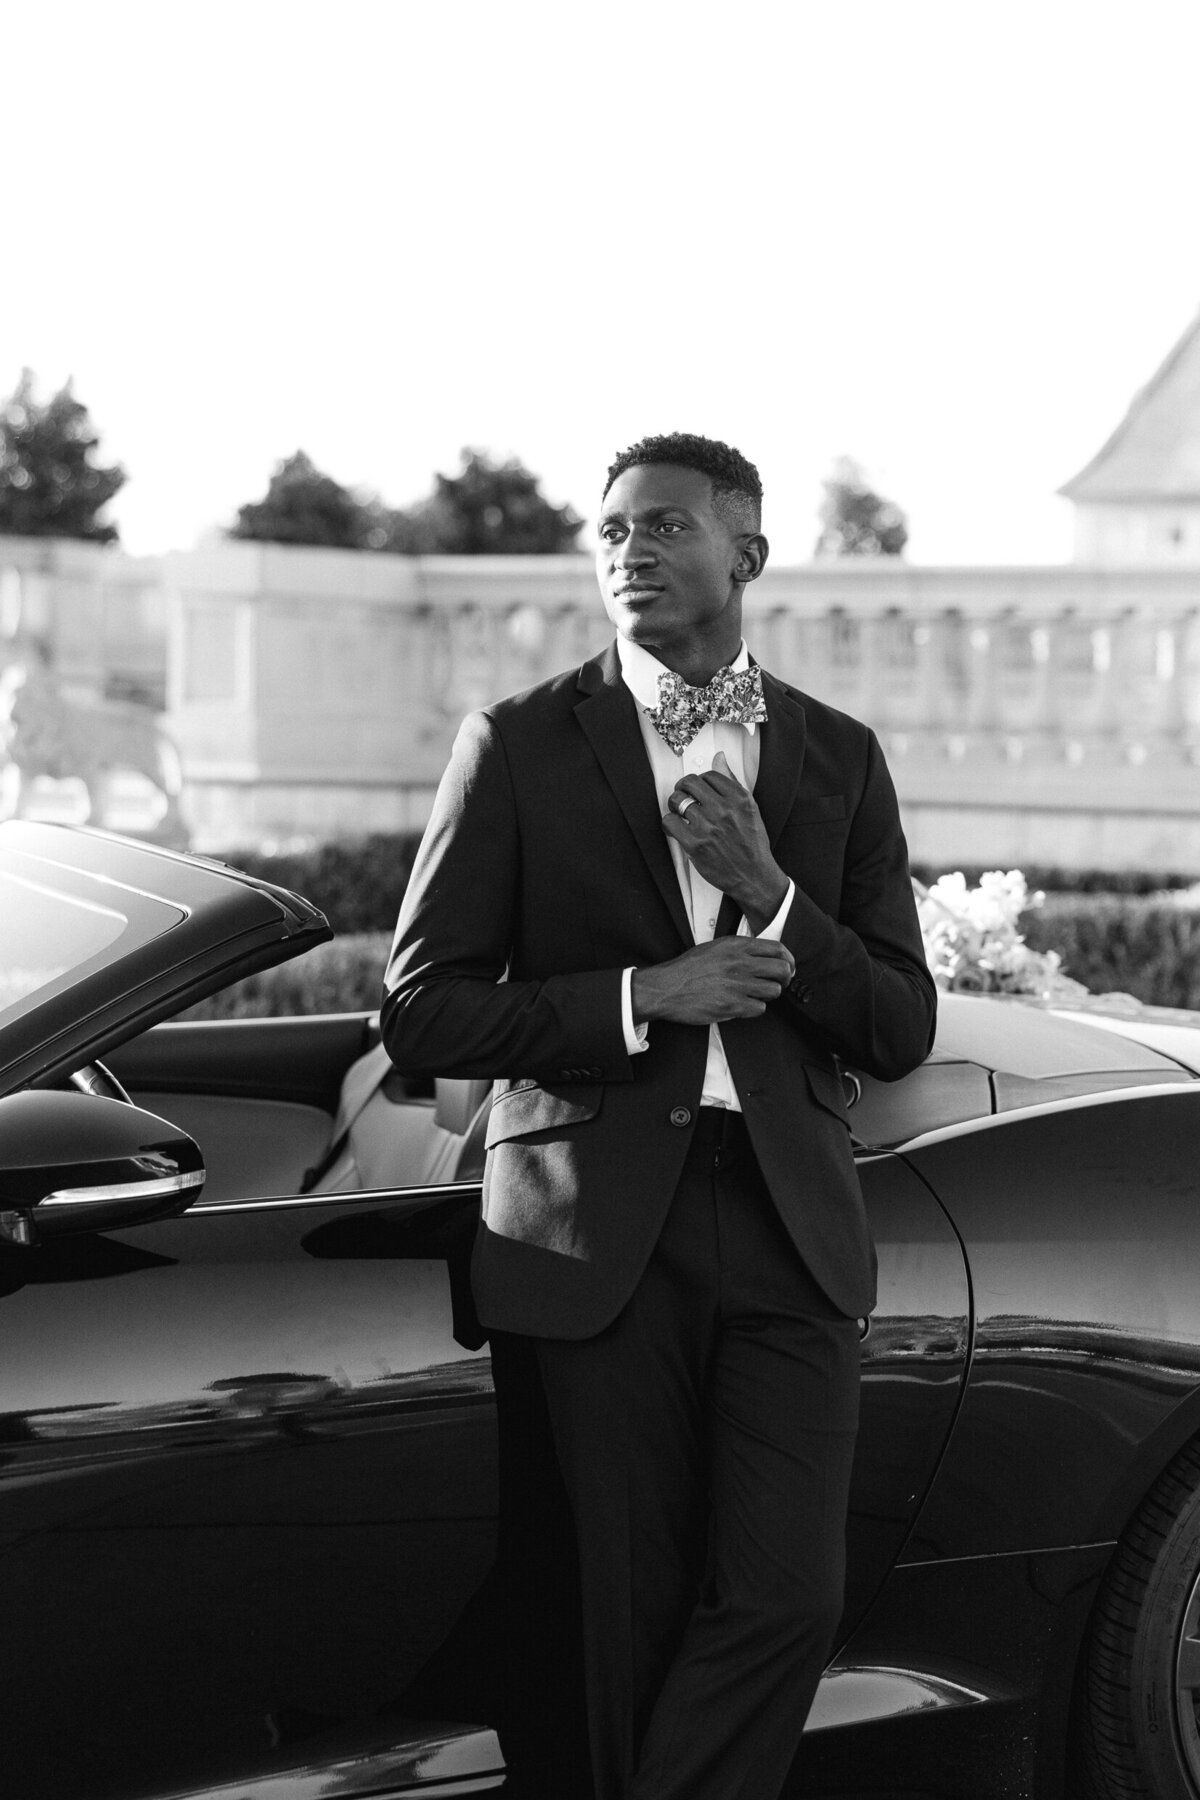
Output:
[[304, 506], [855, 520], [488, 509], [49, 484]]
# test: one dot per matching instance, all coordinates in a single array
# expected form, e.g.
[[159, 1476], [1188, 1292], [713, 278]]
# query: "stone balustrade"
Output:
[[1045, 715]]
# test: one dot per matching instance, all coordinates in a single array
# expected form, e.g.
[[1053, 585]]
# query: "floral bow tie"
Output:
[[728, 699]]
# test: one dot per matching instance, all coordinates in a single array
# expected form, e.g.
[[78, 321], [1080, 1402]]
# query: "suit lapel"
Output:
[[607, 713], [781, 759], [782, 756]]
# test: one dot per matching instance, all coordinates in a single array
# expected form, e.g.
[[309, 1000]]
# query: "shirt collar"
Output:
[[640, 672]]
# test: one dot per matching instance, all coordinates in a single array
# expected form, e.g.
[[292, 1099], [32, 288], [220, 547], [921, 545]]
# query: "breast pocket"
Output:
[[812, 848]]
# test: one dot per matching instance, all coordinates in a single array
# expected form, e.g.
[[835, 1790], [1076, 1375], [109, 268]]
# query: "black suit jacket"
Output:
[[544, 873]]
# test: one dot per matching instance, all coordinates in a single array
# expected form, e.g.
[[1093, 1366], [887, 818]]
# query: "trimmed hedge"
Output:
[[1112, 933], [345, 976], [1064, 881], [357, 882], [1110, 942], [1118, 943]]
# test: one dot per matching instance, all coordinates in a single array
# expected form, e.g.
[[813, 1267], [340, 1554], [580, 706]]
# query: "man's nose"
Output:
[[636, 552]]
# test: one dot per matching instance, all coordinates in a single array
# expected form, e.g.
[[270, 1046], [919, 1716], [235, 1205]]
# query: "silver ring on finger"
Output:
[[682, 805]]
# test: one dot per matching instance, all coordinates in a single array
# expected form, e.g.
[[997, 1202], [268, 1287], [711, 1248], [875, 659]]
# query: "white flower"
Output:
[[972, 943]]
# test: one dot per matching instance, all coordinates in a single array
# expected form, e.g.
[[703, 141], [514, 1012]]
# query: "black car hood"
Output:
[[178, 928]]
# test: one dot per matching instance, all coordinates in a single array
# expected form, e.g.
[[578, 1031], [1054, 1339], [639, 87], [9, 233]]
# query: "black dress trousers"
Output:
[[706, 1439]]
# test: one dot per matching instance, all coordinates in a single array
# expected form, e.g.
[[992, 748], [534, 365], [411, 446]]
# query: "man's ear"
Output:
[[751, 557]]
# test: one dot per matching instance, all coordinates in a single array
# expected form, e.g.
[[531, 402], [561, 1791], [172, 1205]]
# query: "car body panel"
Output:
[[444, 1759], [957, 1683], [1170, 1031], [914, 1361], [1003, 1052], [243, 1484], [1006, 1032], [1082, 1223]]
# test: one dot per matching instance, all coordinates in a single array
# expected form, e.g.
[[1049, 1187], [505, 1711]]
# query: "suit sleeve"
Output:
[[448, 1008], [862, 987]]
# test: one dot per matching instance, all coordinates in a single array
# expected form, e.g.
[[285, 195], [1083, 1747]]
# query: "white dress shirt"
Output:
[[701, 900]]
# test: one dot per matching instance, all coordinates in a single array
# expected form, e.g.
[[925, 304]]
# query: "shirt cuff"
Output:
[[774, 931], [637, 1037]]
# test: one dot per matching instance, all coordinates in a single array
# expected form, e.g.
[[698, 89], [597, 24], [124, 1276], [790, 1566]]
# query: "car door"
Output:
[[914, 1359], [246, 1489]]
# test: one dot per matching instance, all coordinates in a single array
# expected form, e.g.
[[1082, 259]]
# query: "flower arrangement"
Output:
[[972, 943]]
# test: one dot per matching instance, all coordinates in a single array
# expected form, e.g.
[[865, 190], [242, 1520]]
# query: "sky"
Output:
[[948, 238]]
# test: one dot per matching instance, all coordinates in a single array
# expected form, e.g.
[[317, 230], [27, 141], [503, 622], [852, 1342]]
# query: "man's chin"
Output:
[[641, 626]]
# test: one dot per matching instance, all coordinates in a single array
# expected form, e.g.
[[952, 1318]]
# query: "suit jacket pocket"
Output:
[[826, 1088], [529, 1108]]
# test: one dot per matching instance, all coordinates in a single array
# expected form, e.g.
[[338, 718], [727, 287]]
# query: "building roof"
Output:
[[1154, 454]]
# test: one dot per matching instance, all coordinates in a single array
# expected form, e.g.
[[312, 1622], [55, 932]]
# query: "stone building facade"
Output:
[[1030, 715]]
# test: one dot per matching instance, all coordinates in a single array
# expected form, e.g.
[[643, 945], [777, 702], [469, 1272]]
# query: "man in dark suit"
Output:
[[659, 897]]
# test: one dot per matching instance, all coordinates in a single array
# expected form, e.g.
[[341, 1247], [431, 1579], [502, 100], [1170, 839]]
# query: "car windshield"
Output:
[[45, 935]]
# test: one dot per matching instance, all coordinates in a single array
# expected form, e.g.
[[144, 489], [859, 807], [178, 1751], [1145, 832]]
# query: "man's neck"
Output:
[[642, 664], [694, 664]]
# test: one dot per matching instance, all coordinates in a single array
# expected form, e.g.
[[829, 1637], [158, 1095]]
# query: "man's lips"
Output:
[[637, 590]]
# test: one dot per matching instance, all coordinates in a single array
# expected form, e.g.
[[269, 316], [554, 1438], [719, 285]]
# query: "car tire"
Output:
[[1139, 1698]]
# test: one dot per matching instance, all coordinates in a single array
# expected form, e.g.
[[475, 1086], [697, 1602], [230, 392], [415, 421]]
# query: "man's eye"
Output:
[[610, 533], [671, 525]]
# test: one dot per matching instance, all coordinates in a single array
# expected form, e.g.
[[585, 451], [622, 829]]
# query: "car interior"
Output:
[[304, 1105]]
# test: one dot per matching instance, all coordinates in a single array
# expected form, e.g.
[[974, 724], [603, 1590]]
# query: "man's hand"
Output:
[[714, 818], [731, 978]]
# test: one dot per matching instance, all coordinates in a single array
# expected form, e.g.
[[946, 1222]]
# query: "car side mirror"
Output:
[[72, 1162]]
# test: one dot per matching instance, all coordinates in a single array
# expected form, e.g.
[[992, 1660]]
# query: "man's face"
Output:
[[667, 566]]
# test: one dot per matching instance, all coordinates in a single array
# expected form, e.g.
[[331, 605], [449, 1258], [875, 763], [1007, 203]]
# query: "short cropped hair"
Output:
[[737, 488]]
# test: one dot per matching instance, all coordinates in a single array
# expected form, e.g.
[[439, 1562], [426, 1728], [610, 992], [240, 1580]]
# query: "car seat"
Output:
[[385, 1137]]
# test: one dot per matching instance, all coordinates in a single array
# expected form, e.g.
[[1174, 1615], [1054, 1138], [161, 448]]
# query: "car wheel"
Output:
[[1140, 1699]]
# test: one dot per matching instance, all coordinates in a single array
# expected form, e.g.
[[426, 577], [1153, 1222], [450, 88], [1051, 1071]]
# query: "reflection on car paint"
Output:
[[278, 1470], [1104, 1354]]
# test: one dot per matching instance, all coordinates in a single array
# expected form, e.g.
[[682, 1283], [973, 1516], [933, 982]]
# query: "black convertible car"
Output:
[[247, 1471]]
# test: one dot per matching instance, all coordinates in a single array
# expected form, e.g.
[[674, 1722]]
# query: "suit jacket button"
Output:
[[680, 1115]]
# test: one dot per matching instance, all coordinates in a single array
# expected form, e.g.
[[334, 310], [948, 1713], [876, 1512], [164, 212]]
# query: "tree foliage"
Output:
[[855, 520], [302, 505], [50, 484], [489, 508]]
